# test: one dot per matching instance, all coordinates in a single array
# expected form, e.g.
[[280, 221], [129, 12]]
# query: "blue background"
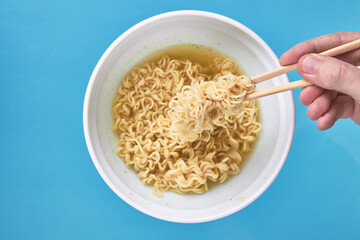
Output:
[[49, 187]]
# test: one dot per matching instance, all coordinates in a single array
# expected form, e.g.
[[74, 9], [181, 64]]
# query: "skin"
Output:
[[336, 90]]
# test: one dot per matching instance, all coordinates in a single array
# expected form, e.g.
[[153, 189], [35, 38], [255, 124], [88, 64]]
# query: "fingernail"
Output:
[[310, 63]]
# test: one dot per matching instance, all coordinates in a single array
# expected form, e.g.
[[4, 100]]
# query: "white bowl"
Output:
[[231, 38]]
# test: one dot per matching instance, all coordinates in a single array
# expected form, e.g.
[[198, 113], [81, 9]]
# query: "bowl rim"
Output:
[[89, 142]]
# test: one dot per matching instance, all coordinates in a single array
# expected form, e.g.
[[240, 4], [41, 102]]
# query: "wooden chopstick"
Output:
[[278, 89], [285, 69]]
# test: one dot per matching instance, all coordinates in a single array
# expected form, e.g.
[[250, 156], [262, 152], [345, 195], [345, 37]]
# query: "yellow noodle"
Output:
[[207, 104], [145, 119]]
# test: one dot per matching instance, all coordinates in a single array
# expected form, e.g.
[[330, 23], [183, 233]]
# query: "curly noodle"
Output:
[[180, 128]]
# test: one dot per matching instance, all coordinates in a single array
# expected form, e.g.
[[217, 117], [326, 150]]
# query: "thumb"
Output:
[[331, 73]]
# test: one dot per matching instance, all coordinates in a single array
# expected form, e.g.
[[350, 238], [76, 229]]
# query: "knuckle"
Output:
[[336, 75], [304, 47], [340, 74]]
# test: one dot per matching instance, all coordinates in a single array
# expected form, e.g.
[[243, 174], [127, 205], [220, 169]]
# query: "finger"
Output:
[[342, 107], [352, 57], [356, 114], [330, 73], [309, 94], [317, 45], [321, 104]]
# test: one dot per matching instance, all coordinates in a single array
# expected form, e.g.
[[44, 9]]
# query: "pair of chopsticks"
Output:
[[285, 69]]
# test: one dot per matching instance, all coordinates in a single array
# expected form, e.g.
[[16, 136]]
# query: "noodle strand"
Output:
[[180, 128]]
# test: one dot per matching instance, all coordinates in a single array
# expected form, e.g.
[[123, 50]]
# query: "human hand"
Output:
[[336, 90]]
